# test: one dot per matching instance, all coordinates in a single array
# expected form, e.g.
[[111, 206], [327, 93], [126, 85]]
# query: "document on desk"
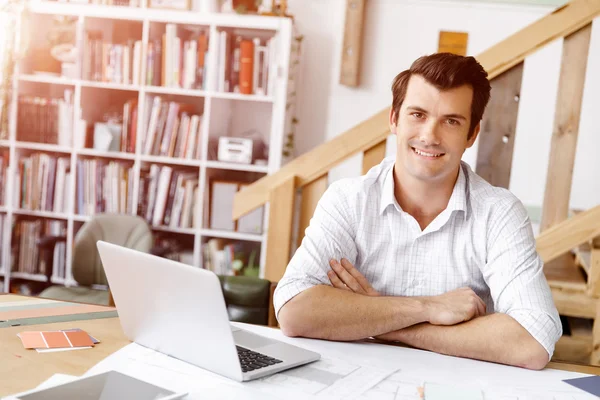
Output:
[[398, 386], [408, 386], [328, 378]]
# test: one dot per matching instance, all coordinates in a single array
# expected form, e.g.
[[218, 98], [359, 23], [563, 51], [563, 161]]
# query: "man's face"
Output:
[[432, 128]]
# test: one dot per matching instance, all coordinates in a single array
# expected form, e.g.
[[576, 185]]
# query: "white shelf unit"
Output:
[[223, 114]]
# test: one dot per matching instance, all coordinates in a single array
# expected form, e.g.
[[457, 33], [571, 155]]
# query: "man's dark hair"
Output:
[[446, 71]]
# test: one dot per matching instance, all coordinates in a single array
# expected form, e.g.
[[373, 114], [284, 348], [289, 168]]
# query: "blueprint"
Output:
[[328, 378]]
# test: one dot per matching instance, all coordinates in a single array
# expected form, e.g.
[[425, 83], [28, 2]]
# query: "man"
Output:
[[421, 250]]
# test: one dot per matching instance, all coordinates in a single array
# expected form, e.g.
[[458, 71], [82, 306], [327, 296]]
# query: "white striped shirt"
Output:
[[483, 240]]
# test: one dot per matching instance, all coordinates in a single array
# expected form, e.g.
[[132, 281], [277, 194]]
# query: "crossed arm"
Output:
[[453, 323]]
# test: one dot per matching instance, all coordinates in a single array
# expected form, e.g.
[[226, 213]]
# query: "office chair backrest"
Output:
[[123, 230]]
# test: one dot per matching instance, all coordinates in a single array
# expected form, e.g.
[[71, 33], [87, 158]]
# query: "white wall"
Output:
[[399, 31]]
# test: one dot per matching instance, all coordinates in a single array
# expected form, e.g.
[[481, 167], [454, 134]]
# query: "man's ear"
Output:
[[393, 121], [472, 139]]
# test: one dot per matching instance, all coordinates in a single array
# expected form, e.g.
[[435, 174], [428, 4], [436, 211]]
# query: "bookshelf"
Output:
[[32, 156]]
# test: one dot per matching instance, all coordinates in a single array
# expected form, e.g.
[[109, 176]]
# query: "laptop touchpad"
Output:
[[250, 340]]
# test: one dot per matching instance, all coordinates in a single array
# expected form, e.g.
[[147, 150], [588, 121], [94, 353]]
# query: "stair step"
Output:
[[565, 273]]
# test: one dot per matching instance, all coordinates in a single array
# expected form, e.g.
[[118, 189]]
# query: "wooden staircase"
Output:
[[576, 291]]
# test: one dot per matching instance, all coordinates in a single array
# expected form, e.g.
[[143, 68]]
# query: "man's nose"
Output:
[[429, 134]]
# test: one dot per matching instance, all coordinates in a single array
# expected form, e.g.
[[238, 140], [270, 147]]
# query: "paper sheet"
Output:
[[327, 378], [416, 367], [407, 386], [398, 386], [436, 391]]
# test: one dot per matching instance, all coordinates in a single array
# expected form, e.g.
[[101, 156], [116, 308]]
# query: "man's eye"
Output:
[[452, 122], [417, 115]]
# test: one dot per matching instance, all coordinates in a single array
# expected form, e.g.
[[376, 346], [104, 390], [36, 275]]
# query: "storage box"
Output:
[[232, 149]]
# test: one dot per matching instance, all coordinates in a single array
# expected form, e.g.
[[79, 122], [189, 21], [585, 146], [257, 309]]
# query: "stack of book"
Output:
[[173, 130], [104, 187], [26, 252], [43, 183], [178, 60], [231, 257], [168, 196], [129, 126], [108, 62], [245, 64], [46, 120]]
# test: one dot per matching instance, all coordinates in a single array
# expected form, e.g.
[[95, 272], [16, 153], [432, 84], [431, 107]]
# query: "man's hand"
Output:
[[454, 307], [450, 308], [344, 276]]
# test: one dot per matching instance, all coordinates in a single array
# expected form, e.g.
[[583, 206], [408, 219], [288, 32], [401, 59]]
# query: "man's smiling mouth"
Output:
[[426, 154]]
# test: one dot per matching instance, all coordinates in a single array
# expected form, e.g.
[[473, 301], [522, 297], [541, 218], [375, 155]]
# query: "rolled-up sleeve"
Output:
[[515, 276], [330, 234]]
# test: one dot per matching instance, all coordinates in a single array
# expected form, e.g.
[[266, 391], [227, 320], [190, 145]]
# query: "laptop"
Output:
[[179, 310]]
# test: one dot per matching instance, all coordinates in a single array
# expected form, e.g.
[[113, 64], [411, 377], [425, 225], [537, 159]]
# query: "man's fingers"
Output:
[[345, 277], [335, 281], [479, 305], [482, 307], [360, 278]]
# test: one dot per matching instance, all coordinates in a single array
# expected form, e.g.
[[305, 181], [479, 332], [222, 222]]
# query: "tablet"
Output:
[[106, 386]]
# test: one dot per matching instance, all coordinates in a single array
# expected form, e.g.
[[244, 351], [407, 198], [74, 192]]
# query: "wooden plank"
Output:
[[568, 234], [563, 273], [566, 127], [595, 356], [352, 46], [496, 60], [560, 23], [583, 369], [315, 163], [279, 235], [373, 156], [594, 273], [583, 258], [498, 128], [574, 303], [311, 194], [573, 349]]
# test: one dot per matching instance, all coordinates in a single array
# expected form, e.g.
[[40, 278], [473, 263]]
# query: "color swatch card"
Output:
[[55, 339], [96, 341]]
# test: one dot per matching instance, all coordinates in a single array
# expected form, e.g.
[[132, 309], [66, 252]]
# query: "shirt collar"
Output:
[[458, 199], [387, 191]]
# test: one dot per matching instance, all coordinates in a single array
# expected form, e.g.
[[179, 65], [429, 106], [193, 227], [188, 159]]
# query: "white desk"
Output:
[[423, 365]]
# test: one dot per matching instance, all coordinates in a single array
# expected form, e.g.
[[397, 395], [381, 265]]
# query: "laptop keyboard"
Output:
[[252, 360]]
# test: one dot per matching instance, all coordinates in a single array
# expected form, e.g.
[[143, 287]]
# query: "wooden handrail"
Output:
[[496, 60], [563, 237], [560, 23]]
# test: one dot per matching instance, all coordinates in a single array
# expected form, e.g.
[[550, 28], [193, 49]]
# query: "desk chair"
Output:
[[124, 230]]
